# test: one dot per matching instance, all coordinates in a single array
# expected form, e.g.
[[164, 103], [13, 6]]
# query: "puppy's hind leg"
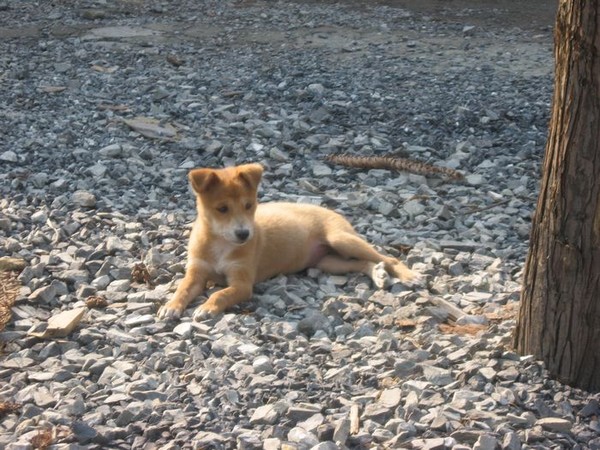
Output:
[[351, 246], [338, 265]]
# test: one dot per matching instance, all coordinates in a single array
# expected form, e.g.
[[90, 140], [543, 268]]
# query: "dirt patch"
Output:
[[531, 15]]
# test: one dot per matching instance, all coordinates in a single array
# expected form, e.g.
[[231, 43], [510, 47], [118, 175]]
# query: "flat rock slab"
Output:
[[118, 32], [62, 324]]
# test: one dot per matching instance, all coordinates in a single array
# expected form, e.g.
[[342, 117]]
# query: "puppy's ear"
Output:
[[203, 180], [250, 174]]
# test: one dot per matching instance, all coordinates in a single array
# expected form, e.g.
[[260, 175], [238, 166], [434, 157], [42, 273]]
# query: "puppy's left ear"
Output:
[[251, 174]]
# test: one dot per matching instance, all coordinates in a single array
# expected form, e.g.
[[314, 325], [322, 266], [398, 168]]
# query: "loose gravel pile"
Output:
[[106, 105]]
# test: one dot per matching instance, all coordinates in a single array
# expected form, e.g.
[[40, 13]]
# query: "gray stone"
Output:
[[485, 442], [83, 432], [84, 199], [390, 398], [436, 375], [301, 436], [268, 414], [9, 156], [342, 431], [511, 441], [555, 424], [413, 208]]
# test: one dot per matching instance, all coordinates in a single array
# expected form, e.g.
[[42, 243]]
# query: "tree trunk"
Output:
[[559, 317]]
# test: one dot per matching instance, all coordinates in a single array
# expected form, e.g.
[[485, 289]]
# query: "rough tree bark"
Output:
[[559, 317]]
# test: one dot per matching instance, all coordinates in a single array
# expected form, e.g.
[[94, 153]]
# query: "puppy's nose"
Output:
[[242, 234]]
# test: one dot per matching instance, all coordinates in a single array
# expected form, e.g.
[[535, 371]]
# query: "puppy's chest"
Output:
[[220, 258]]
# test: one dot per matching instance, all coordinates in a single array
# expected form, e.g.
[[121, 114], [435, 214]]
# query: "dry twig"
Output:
[[393, 163]]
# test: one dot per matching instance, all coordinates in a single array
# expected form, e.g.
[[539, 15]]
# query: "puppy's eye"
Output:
[[223, 209], [248, 205]]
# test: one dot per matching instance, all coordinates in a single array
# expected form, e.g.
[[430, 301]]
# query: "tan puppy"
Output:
[[236, 242]]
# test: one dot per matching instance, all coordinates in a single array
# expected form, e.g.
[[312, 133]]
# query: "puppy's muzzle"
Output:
[[242, 234]]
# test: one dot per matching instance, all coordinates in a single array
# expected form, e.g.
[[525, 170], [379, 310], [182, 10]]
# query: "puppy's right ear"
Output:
[[203, 180]]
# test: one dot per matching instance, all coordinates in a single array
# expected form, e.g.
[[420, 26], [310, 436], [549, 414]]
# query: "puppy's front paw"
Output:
[[170, 311], [206, 311]]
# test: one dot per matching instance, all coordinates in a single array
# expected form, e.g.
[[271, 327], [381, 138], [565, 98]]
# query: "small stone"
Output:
[[591, 409], [555, 424], [268, 414], [84, 199], [184, 330], [39, 217], [73, 276], [272, 444], [313, 322], [326, 445], [413, 208], [83, 432], [475, 179], [342, 431], [43, 294], [62, 324], [485, 442], [377, 413], [317, 88], [111, 151], [390, 398], [302, 411], [312, 423], [9, 156], [321, 170], [119, 286], [262, 364], [456, 269], [437, 376], [300, 435], [488, 373], [511, 441]]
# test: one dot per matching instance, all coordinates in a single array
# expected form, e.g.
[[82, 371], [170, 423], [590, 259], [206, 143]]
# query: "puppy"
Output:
[[236, 242]]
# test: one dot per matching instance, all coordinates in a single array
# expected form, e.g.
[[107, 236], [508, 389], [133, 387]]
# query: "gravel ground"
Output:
[[106, 105]]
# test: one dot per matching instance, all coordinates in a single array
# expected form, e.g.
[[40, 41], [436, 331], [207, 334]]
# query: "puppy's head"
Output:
[[226, 200]]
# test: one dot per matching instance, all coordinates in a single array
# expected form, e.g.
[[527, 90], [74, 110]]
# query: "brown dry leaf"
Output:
[[9, 408], [152, 128], [140, 274], [406, 323], [509, 312], [174, 60], [389, 382], [42, 440], [52, 89], [461, 329], [96, 301], [402, 248], [104, 69]]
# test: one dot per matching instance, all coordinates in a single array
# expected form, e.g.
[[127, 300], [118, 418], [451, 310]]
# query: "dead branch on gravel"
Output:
[[393, 163], [9, 288]]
